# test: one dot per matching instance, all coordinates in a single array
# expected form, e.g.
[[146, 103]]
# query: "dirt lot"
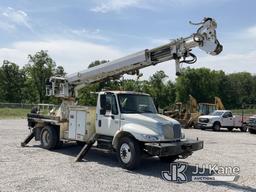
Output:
[[36, 169]]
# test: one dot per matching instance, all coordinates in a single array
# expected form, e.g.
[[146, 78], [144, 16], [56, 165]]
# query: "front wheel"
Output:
[[252, 131], [128, 153], [216, 127], [243, 128]]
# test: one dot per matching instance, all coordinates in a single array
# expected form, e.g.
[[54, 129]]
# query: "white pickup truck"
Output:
[[252, 124], [124, 122], [222, 119]]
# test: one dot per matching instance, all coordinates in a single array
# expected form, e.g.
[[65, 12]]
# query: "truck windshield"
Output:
[[217, 113], [135, 103]]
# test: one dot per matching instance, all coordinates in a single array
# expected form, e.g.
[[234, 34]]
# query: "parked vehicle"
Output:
[[252, 124], [222, 119], [124, 122], [187, 114]]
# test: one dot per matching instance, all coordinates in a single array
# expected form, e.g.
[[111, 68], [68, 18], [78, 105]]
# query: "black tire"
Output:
[[49, 138], [59, 145], [128, 153], [230, 129], [243, 128], [168, 159], [216, 126], [252, 131], [192, 125]]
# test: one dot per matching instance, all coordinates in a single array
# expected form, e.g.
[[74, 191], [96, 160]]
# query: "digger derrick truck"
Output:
[[124, 122]]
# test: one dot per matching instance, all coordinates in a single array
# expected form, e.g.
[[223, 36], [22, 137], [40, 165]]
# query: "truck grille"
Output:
[[172, 132]]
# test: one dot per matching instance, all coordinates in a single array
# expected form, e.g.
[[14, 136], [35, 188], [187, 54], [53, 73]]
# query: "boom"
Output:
[[180, 50]]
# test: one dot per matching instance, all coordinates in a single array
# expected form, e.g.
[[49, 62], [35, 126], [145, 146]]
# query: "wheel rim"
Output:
[[45, 138], [125, 153]]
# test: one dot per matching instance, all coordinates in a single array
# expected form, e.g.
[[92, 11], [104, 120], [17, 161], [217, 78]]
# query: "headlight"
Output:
[[204, 120], [150, 138]]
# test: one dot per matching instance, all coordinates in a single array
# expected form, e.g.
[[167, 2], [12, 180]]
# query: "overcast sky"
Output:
[[78, 32]]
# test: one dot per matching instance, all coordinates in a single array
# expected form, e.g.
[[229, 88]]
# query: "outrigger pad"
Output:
[[83, 152], [28, 139]]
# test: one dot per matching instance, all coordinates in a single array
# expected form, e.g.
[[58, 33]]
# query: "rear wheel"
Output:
[[216, 126], [168, 159], [252, 131], [49, 138], [243, 128], [128, 153]]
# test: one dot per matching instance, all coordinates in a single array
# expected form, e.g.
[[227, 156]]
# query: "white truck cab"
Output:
[[221, 119], [121, 111]]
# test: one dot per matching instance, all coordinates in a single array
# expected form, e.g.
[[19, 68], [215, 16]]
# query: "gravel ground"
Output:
[[35, 169]]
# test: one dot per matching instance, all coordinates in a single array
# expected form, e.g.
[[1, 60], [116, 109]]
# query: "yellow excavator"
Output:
[[187, 114]]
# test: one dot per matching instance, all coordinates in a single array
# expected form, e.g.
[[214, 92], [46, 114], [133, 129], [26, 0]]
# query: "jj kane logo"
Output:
[[179, 172]]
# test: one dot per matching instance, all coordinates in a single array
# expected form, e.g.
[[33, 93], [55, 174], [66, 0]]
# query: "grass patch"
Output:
[[246, 111], [13, 113]]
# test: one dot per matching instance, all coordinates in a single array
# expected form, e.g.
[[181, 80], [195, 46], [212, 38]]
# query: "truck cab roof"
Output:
[[124, 92], [222, 111]]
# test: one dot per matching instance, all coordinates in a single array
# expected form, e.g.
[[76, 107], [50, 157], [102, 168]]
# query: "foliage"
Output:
[[161, 92], [12, 83], [202, 83], [97, 62], [40, 68], [59, 71], [234, 89]]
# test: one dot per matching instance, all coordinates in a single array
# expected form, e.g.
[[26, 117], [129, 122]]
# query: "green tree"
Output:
[[12, 80], [202, 83], [129, 85], [40, 68], [97, 62], [59, 71], [241, 88], [161, 92]]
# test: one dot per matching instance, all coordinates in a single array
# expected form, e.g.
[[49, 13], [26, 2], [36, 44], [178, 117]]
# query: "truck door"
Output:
[[227, 119], [108, 119]]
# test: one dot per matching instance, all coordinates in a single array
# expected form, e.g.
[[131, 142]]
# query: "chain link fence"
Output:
[[17, 105]]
